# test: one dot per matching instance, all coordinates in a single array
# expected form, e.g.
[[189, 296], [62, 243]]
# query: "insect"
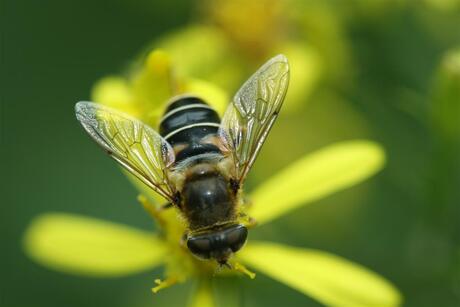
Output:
[[196, 161]]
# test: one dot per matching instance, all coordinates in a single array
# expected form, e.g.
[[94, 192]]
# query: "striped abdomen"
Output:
[[186, 122]]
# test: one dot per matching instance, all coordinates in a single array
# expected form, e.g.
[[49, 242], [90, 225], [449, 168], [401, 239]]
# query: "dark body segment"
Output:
[[186, 122], [207, 199]]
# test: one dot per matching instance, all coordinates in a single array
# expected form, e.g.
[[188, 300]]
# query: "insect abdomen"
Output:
[[186, 122]]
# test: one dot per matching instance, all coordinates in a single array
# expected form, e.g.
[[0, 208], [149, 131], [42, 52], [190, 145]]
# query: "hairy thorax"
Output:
[[208, 200]]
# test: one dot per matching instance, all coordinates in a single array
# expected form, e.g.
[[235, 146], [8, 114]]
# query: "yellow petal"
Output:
[[216, 62], [158, 62], [315, 176], [115, 93], [210, 93], [186, 49], [329, 279], [153, 84], [305, 73], [87, 246], [202, 297]]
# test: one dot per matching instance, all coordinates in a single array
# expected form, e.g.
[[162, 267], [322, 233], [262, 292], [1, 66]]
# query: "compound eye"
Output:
[[236, 237], [200, 247]]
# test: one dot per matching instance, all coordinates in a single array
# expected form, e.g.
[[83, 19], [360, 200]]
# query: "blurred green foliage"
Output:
[[387, 70]]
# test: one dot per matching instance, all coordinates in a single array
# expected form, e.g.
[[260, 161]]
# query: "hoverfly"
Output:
[[197, 162]]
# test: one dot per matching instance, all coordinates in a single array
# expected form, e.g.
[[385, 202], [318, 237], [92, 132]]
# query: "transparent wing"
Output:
[[251, 114], [134, 145]]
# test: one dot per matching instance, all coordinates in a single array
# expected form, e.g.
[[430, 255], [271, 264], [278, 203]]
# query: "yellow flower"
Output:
[[90, 247], [225, 64], [144, 91], [86, 246], [240, 34]]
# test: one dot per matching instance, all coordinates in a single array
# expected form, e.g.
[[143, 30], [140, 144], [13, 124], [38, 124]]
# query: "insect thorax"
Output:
[[208, 201]]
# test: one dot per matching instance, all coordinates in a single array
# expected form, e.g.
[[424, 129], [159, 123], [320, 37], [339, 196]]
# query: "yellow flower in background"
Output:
[[144, 91], [268, 27], [238, 36], [90, 247]]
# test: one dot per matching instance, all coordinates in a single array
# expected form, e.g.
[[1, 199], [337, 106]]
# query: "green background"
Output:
[[404, 223]]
